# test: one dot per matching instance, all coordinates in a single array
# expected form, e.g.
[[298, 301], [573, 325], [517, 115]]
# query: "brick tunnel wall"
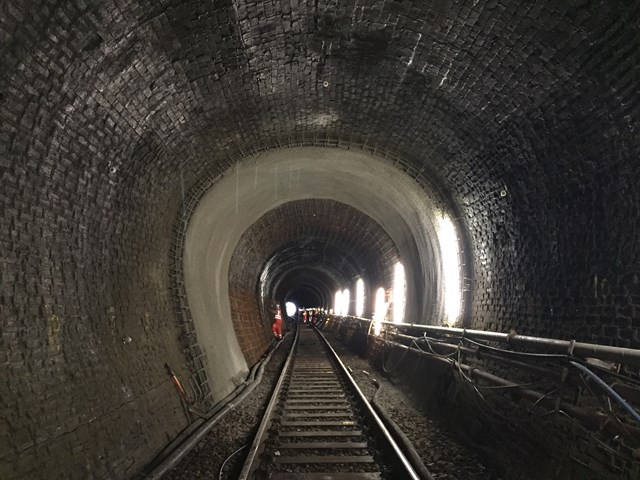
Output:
[[75, 392], [351, 244], [560, 258], [110, 110]]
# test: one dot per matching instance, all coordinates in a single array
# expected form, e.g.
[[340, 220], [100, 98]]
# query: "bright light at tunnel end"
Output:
[[290, 308]]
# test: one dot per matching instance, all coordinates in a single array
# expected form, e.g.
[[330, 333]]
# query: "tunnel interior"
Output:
[[308, 250], [145, 147], [285, 213]]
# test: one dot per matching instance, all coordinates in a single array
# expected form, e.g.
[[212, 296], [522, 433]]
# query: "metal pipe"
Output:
[[181, 451], [596, 420], [478, 352], [629, 356]]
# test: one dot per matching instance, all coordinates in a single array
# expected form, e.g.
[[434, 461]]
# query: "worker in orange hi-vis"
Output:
[[276, 328]]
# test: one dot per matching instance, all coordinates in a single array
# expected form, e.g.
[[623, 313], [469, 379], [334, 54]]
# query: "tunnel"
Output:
[[173, 170]]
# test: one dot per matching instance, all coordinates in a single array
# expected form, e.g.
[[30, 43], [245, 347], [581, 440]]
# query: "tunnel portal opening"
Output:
[[264, 233], [328, 248]]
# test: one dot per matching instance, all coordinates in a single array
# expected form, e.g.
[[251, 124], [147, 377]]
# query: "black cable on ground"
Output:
[[407, 447], [187, 432], [229, 458], [189, 443]]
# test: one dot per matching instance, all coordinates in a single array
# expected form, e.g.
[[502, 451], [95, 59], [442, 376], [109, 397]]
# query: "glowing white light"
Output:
[[359, 297], [380, 311], [399, 293], [338, 303], [291, 308], [345, 301], [450, 268]]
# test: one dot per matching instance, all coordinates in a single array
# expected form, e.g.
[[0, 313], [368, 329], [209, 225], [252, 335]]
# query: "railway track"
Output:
[[319, 426]]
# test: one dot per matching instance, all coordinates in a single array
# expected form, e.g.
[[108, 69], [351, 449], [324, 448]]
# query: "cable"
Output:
[[433, 352], [551, 412], [608, 411], [489, 411], [511, 352], [548, 394], [608, 448], [625, 378], [229, 458], [457, 352], [610, 391], [519, 385], [397, 365], [463, 375]]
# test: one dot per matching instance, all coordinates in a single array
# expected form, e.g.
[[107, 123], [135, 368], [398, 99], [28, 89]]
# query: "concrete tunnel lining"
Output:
[[267, 180]]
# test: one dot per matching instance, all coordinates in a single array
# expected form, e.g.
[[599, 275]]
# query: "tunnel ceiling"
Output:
[[122, 95], [316, 246], [310, 287], [111, 111]]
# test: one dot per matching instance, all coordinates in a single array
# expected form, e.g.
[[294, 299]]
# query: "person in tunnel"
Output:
[[276, 327], [323, 317]]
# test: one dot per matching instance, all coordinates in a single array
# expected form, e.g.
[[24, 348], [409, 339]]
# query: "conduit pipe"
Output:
[[629, 356], [166, 451], [595, 420], [610, 391], [631, 391], [181, 451], [478, 352]]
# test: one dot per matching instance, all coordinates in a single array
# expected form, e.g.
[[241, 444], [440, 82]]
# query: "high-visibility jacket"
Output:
[[276, 328]]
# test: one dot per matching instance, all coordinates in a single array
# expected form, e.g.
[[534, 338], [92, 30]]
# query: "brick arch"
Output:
[[308, 235]]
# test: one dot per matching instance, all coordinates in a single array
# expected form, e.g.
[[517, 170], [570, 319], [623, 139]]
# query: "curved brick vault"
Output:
[[522, 117], [272, 217], [307, 250]]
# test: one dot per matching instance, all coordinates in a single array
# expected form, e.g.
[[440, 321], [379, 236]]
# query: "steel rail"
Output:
[[251, 467], [371, 411], [250, 463]]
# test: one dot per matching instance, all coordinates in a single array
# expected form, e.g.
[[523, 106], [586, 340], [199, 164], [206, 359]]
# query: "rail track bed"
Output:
[[319, 426]]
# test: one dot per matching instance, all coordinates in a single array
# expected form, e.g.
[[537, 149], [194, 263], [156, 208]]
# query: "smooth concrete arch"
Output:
[[267, 180]]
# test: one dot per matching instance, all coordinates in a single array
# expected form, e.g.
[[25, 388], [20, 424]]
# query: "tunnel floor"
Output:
[[444, 453]]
